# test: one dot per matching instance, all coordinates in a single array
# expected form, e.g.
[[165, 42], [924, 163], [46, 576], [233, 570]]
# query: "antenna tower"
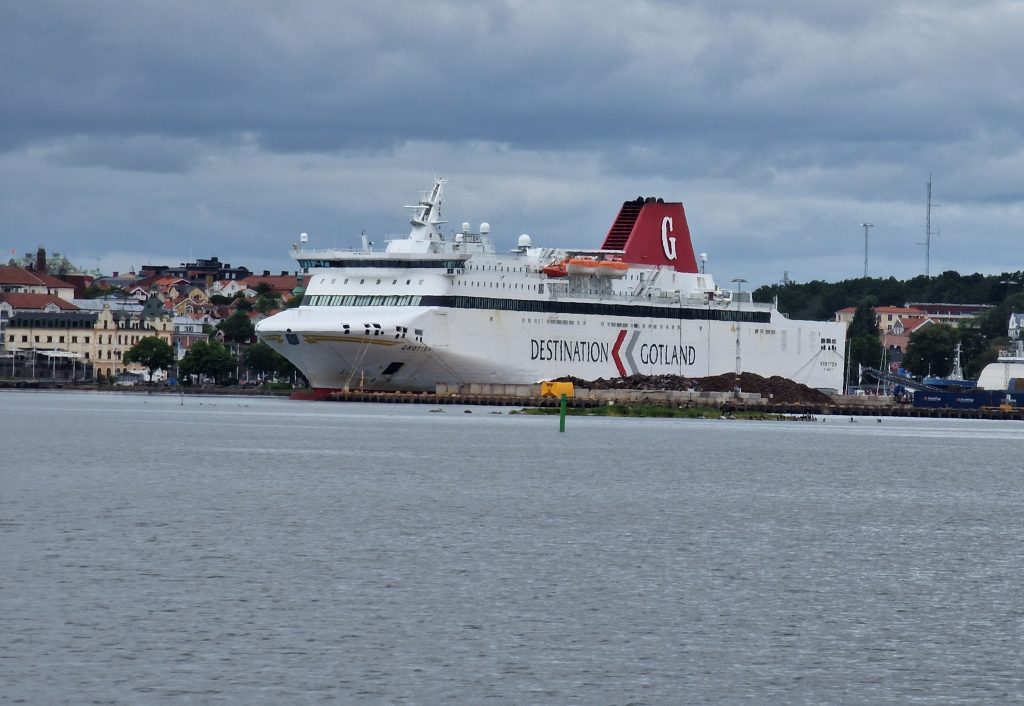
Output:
[[928, 232]]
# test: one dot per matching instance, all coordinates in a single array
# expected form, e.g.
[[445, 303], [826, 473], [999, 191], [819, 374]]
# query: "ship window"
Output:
[[333, 280], [346, 281], [408, 281], [362, 281], [378, 281]]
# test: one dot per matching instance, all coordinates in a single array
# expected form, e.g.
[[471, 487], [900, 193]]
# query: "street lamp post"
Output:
[[739, 367], [866, 226]]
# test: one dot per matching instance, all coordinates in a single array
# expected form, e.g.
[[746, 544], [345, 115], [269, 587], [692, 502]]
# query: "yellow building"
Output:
[[97, 339], [115, 332]]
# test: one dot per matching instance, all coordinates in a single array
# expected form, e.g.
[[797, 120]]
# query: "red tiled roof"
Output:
[[279, 283], [52, 282], [905, 310], [12, 274], [35, 302], [911, 325]]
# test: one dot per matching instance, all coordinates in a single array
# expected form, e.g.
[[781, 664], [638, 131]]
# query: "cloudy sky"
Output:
[[150, 132]]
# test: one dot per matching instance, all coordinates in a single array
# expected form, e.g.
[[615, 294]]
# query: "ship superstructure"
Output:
[[431, 308]]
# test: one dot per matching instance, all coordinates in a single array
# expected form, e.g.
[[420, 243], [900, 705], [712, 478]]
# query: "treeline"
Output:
[[930, 349], [819, 300]]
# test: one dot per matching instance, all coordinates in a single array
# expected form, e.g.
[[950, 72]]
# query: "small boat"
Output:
[[581, 266], [555, 269], [611, 268]]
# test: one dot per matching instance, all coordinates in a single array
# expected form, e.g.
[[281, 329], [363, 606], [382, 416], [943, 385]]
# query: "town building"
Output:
[[202, 272], [188, 330], [951, 314], [92, 342]]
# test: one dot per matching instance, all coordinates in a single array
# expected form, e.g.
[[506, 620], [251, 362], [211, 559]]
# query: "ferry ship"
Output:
[[433, 308]]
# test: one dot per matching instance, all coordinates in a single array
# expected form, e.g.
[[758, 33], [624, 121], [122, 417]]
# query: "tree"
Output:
[[261, 358], [995, 321], [153, 352], [865, 347], [266, 303], [865, 322], [930, 350], [237, 328], [264, 360], [208, 358]]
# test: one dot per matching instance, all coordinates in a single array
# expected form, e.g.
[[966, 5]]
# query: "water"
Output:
[[240, 550]]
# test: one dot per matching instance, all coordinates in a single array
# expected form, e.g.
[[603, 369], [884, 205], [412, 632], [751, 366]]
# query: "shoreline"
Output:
[[48, 386], [550, 405]]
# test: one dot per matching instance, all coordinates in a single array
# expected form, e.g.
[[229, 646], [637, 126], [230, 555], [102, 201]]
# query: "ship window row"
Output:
[[496, 285], [498, 268], [388, 263], [360, 300], [628, 311]]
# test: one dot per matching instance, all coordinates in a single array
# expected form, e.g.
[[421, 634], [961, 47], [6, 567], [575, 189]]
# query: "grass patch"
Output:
[[650, 410]]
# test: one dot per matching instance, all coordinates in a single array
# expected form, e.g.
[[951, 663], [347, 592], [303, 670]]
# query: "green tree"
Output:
[[865, 346], [237, 328], [261, 358], [96, 291], [865, 322], [208, 358], [995, 321], [930, 350], [153, 352], [266, 303], [264, 360]]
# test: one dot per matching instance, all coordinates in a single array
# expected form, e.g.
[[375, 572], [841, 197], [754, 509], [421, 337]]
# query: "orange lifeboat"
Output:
[[555, 269], [612, 268], [581, 266]]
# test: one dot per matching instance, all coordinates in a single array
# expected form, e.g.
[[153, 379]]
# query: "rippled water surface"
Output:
[[240, 550]]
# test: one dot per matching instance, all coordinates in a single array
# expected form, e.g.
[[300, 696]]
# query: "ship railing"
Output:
[[1015, 351]]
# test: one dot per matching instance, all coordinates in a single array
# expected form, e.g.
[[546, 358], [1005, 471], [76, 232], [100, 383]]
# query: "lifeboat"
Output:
[[613, 269], [555, 269], [581, 266]]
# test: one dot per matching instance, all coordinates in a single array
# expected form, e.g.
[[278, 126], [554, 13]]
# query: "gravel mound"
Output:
[[776, 388]]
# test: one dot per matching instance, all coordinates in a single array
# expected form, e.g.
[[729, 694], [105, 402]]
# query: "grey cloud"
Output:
[[792, 119]]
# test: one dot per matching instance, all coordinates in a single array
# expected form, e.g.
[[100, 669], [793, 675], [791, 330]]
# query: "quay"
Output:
[[529, 396], [728, 403]]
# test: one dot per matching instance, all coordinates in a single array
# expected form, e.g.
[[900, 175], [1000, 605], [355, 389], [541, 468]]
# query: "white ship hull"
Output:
[[431, 311]]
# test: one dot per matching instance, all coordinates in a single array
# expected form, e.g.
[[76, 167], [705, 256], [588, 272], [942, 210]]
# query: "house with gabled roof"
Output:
[[20, 280], [895, 323], [1016, 325], [12, 302], [282, 285], [229, 288]]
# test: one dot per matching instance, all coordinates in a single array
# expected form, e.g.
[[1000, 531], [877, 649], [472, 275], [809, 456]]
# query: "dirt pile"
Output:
[[777, 389]]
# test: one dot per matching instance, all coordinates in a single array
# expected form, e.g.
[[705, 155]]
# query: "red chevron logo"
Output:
[[615, 353]]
